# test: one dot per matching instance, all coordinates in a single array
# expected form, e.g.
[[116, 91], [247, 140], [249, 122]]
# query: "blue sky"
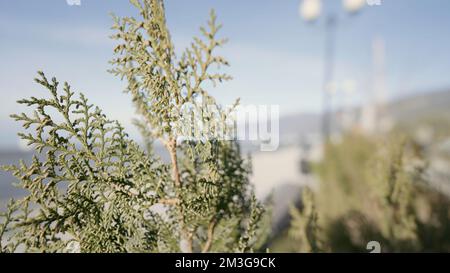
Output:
[[276, 58]]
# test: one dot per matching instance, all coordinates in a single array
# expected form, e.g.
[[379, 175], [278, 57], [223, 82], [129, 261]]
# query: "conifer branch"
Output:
[[92, 189]]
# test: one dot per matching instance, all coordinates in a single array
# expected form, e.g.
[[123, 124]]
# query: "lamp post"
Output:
[[310, 11]]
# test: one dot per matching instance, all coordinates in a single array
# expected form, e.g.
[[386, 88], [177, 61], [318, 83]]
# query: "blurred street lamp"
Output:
[[310, 11], [353, 6]]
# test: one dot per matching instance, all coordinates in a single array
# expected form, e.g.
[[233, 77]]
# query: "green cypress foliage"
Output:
[[93, 189], [305, 230]]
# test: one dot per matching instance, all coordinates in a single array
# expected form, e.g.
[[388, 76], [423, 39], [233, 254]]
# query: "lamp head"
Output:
[[353, 6], [310, 9]]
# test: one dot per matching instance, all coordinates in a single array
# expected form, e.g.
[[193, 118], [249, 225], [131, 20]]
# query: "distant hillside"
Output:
[[421, 106], [404, 110]]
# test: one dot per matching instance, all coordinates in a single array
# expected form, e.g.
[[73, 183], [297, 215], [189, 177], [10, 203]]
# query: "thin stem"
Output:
[[172, 148], [211, 227]]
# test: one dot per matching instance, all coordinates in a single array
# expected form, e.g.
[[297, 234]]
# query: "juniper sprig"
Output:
[[93, 189]]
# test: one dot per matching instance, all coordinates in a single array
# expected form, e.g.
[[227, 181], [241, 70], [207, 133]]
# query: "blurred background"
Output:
[[363, 88]]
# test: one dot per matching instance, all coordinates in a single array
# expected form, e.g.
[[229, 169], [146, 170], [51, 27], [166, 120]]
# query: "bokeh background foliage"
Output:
[[373, 188]]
